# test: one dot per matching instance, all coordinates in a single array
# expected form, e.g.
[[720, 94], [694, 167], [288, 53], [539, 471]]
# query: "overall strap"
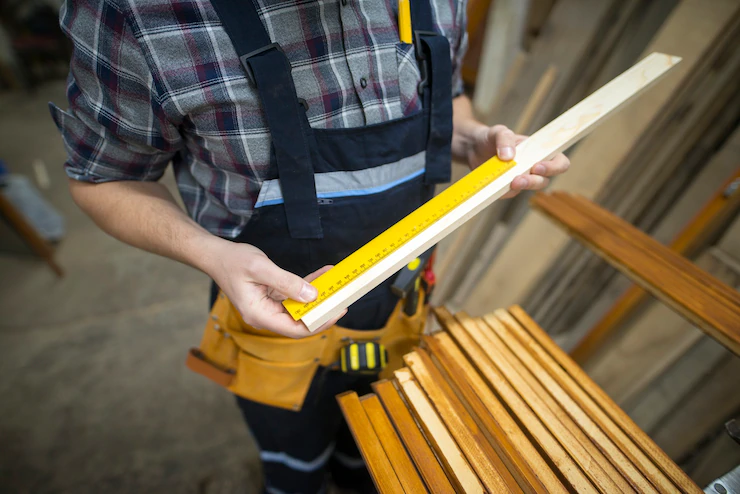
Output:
[[269, 69], [433, 52]]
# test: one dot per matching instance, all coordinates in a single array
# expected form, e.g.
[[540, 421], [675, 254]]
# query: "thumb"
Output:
[[288, 284]]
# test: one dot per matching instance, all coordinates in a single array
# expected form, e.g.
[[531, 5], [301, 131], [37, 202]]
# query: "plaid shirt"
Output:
[[158, 81]]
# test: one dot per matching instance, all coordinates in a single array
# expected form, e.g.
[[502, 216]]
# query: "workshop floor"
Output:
[[94, 394]]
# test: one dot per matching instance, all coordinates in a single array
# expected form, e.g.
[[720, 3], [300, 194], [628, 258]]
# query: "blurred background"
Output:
[[94, 394]]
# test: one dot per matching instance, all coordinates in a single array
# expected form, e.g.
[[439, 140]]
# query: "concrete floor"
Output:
[[94, 394]]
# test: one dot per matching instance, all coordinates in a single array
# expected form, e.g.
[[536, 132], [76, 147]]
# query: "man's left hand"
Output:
[[501, 141]]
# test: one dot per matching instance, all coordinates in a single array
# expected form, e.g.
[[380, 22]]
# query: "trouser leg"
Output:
[[297, 447]]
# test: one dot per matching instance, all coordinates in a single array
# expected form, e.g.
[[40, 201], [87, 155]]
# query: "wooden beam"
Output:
[[647, 445], [684, 288], [430, 469], [599, 469], [703, 225], [512, 445], [527, 345], [530, 421], [691, 32], [482, 457], [452, 458], [368, 443], [551, 139], [402, 464]]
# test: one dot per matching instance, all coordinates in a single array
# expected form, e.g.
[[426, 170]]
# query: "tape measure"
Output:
[[397, 235], [363, 358]]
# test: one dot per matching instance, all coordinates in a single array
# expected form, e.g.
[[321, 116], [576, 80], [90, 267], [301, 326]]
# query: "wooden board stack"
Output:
[[493, 405]]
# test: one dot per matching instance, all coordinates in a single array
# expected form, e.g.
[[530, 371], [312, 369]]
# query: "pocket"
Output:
[[409, 77], [279, 384]]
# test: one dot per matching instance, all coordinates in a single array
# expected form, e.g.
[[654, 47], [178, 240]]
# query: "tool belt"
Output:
[[275, 370]]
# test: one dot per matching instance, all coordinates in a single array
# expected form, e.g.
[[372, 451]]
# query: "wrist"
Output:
[[204, 252], [467, 134]]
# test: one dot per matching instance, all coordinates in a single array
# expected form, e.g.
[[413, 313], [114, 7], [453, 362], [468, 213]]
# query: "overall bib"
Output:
[[329, 191]]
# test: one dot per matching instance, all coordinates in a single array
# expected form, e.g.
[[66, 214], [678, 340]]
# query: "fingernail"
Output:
[[505, 153], [539, 169], [308, 293], [521, 182]]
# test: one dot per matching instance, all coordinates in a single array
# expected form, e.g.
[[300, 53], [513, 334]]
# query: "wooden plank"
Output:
[[647, 445], [691, 32], [575, 440], [368, 443], [557, 454], [503, 40], [482, 457], [510, 329], [402, 464], [511, 444], [649, 246], [423, 456], [553, 138], [664, 281], [651, 344], [452, 458]]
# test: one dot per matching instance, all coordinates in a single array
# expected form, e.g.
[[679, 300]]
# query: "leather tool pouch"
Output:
[[268, 368]]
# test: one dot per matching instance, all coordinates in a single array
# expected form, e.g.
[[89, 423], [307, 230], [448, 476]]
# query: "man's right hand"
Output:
[[256, 287]]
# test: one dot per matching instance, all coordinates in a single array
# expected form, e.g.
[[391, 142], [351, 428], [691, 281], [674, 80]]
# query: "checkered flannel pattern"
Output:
[[158, 81]]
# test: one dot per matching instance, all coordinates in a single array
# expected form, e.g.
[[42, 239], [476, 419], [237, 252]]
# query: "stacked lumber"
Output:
[[701, 298], [492, 404]]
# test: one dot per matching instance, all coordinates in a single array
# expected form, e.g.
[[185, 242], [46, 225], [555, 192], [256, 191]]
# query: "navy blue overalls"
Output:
[[329, 192]]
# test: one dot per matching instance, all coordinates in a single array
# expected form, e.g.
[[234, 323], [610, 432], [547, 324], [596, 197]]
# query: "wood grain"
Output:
[[423, 456], [457, 467], [399, 458], [480, 454], [672, 286], [527, 345], [647, 445], [368, 443], [591, 460], [702, 226], [530, 420], [521, 457]]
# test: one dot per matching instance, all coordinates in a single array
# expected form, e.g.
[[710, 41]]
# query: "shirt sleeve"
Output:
[[460, 49], [115, 127]]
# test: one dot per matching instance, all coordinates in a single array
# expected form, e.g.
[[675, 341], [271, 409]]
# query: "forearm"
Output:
[[145, 215], [465, 128]]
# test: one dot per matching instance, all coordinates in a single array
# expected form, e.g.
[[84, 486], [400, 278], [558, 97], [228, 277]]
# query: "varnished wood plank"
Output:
[[530, 420], [377, 462], [662, 460], [471, 440], [587, 455], [664, 282], [431, 471], [457, 467], [399, 458], [521, 457], [527, 345]]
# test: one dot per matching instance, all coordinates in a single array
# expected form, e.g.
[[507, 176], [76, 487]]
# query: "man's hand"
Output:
[[257, 286], [501, 141]]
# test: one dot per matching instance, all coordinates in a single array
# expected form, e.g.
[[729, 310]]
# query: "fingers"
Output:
[[318, 273], [559, 164], [529, 182], [505, 141], [287, 284], [331, 322]]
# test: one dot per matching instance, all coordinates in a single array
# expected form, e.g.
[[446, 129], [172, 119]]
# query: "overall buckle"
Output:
[[245, 58], [422, 57]]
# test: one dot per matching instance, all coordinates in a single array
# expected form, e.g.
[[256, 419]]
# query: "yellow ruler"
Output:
[[394, 237]]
